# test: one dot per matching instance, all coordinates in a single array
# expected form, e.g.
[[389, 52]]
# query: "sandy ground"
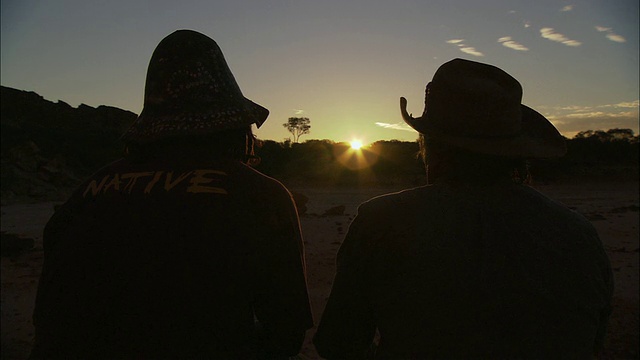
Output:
[[611, 206]]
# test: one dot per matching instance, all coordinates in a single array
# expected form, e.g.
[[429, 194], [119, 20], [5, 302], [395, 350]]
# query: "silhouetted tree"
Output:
[[621, 134], [298, 127], [609, 135], [614, 146], [594, 153]]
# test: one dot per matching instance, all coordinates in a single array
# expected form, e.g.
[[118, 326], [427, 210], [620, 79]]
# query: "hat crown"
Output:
[[190, 90], [474, 99], [188, 69]]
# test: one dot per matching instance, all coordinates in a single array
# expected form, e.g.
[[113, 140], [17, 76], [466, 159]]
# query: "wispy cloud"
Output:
[[572, 119], [396, 126], [567, 8], [527, 24], [471, 51], [510, 43], [298, 111], [616, 38], [611, 35], [589, 109], [465, 48], [628, 104], [550, 34], [599, 115]]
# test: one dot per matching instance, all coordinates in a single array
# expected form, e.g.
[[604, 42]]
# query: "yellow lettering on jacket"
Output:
[[168, 184], [153, 182], [115, 182], [199, 179], [94, 187], [132, 179]]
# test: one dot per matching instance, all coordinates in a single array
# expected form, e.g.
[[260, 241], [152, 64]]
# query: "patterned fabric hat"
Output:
[[477, 107], [190, 90]]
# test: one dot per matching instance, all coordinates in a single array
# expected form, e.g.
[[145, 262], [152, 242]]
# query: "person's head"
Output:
[[474, 127], [192, 102]]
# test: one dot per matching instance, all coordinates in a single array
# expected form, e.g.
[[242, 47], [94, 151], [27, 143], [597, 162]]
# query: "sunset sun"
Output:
[[356, 144]]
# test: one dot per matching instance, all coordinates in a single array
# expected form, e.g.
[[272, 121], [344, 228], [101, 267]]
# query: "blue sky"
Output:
[[343, 64]]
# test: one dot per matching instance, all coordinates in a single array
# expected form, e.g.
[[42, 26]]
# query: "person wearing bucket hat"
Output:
[[476, 264], [180, 249]]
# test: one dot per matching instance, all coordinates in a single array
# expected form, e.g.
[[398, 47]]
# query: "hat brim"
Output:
[[538, 138], [150, 126], [260, 113]]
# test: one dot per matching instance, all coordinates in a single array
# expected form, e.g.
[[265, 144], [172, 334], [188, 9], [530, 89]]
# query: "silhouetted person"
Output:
[[476, 264], [179, 249]]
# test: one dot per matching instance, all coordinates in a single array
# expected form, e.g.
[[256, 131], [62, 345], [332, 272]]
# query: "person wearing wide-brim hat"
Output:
[[476, 264], [180, 249]]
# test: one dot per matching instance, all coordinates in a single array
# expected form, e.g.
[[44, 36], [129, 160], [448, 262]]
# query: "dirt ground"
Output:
[[611, 206]]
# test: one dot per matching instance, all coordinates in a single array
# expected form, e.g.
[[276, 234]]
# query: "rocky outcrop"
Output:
[[47, 147]]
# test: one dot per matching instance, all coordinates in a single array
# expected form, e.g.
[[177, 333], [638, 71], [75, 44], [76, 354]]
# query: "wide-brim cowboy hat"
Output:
[[190, 90], [477, 107]]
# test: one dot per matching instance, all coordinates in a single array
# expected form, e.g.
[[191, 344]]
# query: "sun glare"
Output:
[[356, 144]]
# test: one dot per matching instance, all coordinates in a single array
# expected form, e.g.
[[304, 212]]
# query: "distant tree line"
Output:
[[595, 154], [325, 162], [590, 153]]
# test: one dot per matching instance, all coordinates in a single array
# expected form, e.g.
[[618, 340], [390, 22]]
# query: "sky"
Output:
[[344, 64]]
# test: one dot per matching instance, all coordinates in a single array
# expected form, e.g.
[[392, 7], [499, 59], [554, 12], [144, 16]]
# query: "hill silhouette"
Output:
[[48, 148]]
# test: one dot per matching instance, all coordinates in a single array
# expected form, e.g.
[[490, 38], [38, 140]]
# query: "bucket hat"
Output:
[[190, 90], [477, 107]]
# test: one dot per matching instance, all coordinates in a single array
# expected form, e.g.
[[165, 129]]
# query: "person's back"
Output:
[[180, 249], [179, 258], [462, 271], [476, 264]]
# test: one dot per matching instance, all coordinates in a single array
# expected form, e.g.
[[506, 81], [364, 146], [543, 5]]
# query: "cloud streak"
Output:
[[551, 34], [584, 109], [511, 44], [572, 119], [631, 104], [298, 111], [396, 126], [567, 8], [611, 35], [617, 38], [465, 48], [471, 51]]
